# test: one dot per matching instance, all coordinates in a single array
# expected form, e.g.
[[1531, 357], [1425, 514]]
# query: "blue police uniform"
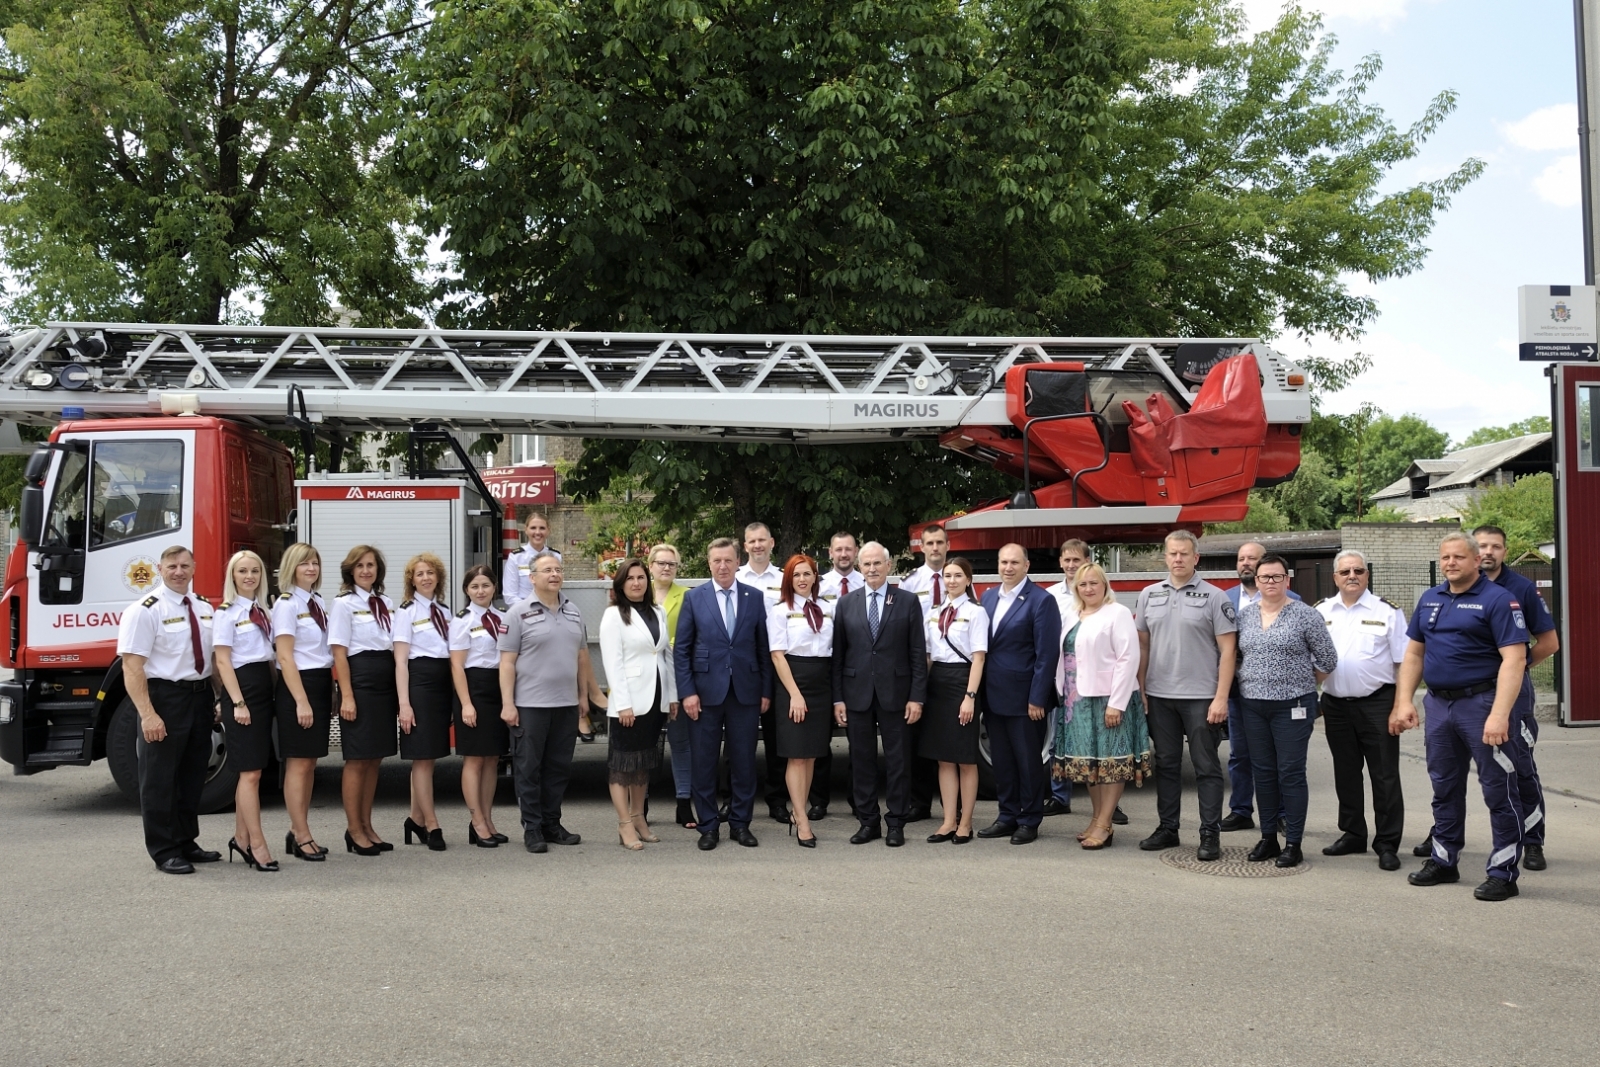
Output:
[[1527, 597], [1462, 635]]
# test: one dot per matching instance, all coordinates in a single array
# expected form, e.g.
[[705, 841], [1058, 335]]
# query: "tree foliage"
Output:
[[1525, 510], [1488, 435], [202, 160]]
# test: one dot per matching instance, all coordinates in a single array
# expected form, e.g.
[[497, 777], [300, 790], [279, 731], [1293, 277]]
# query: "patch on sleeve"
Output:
[[1228, 612]]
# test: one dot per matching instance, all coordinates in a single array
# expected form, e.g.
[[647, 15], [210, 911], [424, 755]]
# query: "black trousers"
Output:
[[1358, 733], [864, 726], [541, 762], [172, 771]]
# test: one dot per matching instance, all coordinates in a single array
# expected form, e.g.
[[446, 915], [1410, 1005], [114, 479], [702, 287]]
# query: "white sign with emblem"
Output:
[[1556, 323]]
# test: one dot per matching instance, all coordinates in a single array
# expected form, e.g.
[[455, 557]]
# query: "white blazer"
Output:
[[1107, 652], [633, 662]]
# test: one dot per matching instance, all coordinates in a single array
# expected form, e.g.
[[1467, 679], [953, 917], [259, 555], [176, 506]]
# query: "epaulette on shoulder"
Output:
[[463, 613], [1390, 603], [1321, 602], [285, 596], [407, 603], [202, 599], [150, 602]]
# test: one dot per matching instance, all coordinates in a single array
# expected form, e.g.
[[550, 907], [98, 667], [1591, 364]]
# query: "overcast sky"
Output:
[[1445, 345]]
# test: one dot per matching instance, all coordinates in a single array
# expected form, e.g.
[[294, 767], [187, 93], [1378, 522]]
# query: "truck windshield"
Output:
[[136, 490]]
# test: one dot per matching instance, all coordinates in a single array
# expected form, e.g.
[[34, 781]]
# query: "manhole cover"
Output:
[[1232, 864]]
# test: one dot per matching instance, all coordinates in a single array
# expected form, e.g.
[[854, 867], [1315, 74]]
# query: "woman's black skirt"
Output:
[[634, 751], [942, 737], [810, 739], [431, 699], [306, 742], [371, 734], [250, 747], [490, 737]]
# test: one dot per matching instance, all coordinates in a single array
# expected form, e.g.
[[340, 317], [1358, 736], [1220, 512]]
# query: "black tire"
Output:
[[985, 765], [122, 755]]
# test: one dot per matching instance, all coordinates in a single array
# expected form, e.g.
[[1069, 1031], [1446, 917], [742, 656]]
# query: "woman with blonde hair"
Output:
[[243, 657], [305, 688], [361, 634], [422, 678], [1103, 740]]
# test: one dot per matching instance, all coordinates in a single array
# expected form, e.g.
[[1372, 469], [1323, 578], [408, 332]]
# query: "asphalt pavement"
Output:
[[929, 954]]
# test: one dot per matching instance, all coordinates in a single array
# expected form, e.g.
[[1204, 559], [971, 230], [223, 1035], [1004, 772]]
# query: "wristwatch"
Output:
[[973, 693]]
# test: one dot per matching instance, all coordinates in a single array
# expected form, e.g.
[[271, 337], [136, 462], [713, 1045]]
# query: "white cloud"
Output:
[[1263, 13], [1561, 183], [1548, 129]]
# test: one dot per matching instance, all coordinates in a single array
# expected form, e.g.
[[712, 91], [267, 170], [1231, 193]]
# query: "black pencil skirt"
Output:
[[431, 700], [250, 747], [942, 736], [491, 737], [305, 742], [811, 738], [371, 735]]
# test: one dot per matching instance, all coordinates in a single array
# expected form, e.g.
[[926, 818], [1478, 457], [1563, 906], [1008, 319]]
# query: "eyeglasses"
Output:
[[1351, 570], [669, 564], [1272, 579]]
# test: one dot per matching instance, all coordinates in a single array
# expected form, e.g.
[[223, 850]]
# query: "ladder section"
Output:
[[671, 386]]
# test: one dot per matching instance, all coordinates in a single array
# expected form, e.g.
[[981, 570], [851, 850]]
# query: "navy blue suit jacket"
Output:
[[707, 663], [1023, 650]]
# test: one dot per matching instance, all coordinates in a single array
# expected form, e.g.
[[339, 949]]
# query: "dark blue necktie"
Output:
[[872, 614]]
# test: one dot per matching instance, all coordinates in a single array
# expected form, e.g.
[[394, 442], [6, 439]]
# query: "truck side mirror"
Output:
[[30, 518]]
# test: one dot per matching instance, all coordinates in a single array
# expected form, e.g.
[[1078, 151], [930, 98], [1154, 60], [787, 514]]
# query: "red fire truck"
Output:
[[1116, 440]]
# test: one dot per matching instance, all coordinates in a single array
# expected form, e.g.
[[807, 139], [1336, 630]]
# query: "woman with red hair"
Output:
[[800, 637]]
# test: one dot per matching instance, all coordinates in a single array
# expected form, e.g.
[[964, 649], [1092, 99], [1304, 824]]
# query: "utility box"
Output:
[[400, 517]]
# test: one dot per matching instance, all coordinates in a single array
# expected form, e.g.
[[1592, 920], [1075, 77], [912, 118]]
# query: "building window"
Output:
[[528, 448], [1588, 446]]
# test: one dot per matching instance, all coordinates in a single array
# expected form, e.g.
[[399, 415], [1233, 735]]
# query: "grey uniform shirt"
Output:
[[1183, 623], [547, 644]]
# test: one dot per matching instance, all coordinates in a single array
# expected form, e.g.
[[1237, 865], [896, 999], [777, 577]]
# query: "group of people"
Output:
[[1070, 686]]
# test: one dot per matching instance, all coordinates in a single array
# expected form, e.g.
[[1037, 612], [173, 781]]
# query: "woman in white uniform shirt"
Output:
[[243, 658], [361, 634], [957, 636], [637, 652], [481, 735], [800, 639], [305, 688], [422, 676]]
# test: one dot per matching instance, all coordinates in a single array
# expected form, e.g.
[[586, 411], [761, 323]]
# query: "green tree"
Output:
[[204, 160], [1263, 517], [1379, 449], [1525, 510], [1488, 435]]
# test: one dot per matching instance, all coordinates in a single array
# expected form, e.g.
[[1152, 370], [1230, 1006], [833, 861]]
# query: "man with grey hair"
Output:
[[1188, 635], [1358, 710]]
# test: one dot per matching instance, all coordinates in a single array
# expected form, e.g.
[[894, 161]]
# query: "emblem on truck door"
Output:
[[139, 574]]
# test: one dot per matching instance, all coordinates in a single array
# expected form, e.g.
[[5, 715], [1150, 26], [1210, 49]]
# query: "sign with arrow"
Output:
[[1556, 323]]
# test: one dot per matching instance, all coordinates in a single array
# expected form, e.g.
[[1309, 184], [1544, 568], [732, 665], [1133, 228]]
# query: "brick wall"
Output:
[[1400, 554]]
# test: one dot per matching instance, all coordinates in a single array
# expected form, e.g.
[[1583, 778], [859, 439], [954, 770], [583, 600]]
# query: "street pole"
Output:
[[1586, 36]]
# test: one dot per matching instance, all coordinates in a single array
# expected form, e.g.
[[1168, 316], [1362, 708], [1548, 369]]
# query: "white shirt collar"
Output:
[[1014, 591]]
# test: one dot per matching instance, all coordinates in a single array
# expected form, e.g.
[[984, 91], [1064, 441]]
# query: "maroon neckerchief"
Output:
[[813, 614], [380, 611]]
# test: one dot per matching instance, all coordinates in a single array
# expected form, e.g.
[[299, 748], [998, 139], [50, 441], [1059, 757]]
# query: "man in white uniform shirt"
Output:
[[842, 577], [165, 644], [759, 574], [517, 585], [1357, 711]]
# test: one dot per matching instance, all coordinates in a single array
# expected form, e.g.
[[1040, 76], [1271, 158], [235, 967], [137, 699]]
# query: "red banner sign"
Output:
[[531, 484]]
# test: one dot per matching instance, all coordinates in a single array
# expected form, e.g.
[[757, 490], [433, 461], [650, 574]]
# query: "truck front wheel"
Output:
[[122, 754]]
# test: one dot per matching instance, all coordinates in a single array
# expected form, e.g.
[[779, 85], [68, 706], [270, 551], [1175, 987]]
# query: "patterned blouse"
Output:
[[1279, 663]]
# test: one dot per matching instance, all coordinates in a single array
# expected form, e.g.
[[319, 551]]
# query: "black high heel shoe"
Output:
[[481, 842], [436, 840], [500, 839], [233, 846], [412, 828], [803, 842], [360, 850], [311, 852]]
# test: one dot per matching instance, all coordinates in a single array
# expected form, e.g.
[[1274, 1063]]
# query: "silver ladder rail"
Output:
[[736, 387]]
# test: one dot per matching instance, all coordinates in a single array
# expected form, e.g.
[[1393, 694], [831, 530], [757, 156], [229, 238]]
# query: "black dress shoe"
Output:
[[1433, 873], [175, 865], [868, 832], [1347, 844], [939, 839], [1424, 849], [557, 834], [1234, 821], [1024, 835], [895, 837], [1210, 847], [919, 815], [708, 841], [1388, 861], [535, 842], [998, 829], [1266, 849], [1496, 889], [1119, 817], [1533, 858], [1055, 807], [779, 813], [816, 812], [201, 855], [743, 836], [1291, 856], [1162, 838]]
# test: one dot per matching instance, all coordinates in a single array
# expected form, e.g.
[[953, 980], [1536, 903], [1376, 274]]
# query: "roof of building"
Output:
[[1464, 467], [1298, 542]]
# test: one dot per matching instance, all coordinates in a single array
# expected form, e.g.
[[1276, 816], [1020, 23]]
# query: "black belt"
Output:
[[1469, 691], [195, 686], [1367, 696]]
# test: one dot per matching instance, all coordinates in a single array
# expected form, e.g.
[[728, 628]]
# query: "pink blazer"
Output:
[[1107, 652]]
